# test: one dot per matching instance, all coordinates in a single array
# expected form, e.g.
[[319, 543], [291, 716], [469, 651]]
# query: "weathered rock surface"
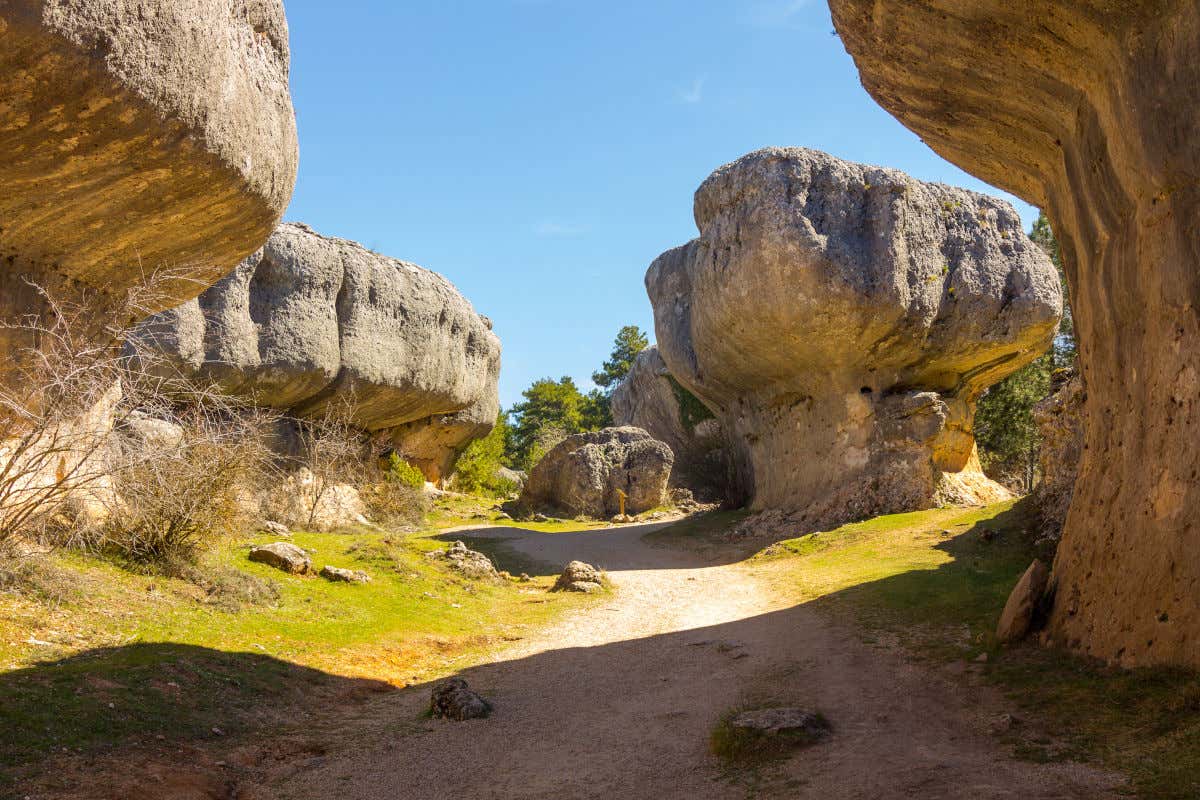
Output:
[[304, 501], [843, 320], [283, 556], [583, 474], [579, 577], [469, 563], [1102, 135], [1060, 421], [275, 529], [309, 320], [1022, 605], [650, 399], [454, 699], [339, 575], [135, 136]]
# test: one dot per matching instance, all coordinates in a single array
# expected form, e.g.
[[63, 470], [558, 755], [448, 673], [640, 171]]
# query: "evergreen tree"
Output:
[[551, 410], [629, 342]]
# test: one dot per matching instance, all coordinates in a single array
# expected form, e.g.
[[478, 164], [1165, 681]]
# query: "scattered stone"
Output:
[[339, 575], [622, 519], [283, 556], [579, 577], [1004, 723], [982, 658], [540, 518], [469, 563], [453, 699], [785, 721], [1017, 617], [987, 536], [524, 577], [276, 529]]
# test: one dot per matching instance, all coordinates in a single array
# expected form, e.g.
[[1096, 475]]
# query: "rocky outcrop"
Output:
[[1060, 422], [467, 562], [136, 136], [651, 399], [585, 473], [1023, 603], [453, 699], [579, 577], [1101, 133], [310, 321], [842, 321]]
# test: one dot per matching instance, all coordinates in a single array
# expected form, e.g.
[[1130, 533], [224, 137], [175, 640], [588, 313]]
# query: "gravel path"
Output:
[[617, 702]]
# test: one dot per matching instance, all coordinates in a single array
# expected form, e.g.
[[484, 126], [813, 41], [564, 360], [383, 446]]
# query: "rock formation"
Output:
[[651, 399], [583, 474], [310, 321], [843, 320], [1088, 110], [137, 136], [1060, 422]]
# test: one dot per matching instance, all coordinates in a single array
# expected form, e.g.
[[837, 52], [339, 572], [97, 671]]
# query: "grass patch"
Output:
[[122, 656], [744, 747], [934, 582]]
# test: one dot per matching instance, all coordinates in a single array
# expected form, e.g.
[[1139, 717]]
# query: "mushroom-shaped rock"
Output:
[[843, 320], [1087, 110], [587, 472], [135, 136], [310, 320], [651, 399]]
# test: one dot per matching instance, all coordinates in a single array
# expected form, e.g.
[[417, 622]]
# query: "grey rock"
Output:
[[160, 134], [454, 699], [339, 575], [311, 320], [843, 320], [140, 429], [469, 563], [275, 529], [283, 556], [584, 472], [579, 577], [1060, 422], [651, 399], [793, 722]]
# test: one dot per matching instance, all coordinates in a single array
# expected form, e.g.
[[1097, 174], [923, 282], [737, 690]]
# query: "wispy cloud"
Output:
[[549, 229], [695, 93], [774, 13]]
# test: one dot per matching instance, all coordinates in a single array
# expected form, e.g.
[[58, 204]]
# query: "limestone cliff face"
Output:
[[1087, 109], [843, 320], [137, 135], [649, 399], [1060, 422], [310, 320]]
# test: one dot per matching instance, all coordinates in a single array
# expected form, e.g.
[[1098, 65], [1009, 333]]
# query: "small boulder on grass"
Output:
[[579, 577], [469, 563], [1018, 616], [283, 556], [453, 699], [276, 529], [768, 732], [339, 575]]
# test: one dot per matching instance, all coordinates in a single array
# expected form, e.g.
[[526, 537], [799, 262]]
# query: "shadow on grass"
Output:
[[113, 697], [576, 716]]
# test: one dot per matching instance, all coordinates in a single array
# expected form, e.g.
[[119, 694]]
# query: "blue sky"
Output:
[[541, 153]]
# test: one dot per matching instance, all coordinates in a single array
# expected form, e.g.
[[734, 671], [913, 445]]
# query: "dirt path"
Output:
[[618, 701]]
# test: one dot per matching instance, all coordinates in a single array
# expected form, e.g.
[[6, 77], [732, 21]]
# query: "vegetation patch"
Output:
[[743, 746]]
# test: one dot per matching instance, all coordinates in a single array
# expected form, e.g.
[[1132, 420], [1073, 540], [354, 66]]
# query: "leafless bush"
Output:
[[333, 448], [394, 504]]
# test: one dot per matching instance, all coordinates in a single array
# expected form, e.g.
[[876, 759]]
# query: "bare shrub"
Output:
[[333, 448], [395, 504]]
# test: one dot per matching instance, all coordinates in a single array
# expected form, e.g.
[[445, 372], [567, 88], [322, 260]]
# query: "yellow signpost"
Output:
[[621, 499]]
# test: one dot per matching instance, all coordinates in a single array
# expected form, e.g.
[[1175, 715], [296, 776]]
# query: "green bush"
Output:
[[478, 468], [400, 471]]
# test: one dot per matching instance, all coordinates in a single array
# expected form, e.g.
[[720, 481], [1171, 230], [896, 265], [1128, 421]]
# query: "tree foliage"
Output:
[[1008, 438], [630, 341], [478, 468]]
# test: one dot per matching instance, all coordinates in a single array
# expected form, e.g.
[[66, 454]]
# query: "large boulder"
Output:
[[584, 473], [651, 399], [309, 321], [1088, 110], [843, 320], [136, 136]]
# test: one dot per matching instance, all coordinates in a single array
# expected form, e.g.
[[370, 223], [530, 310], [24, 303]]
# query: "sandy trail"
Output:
[[617, 701]]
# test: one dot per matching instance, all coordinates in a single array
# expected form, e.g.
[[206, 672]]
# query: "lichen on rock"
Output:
[[842, 321]]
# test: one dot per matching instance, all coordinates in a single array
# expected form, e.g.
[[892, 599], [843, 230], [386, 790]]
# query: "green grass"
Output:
[[98, 655], [930, 581], [740, 747]]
